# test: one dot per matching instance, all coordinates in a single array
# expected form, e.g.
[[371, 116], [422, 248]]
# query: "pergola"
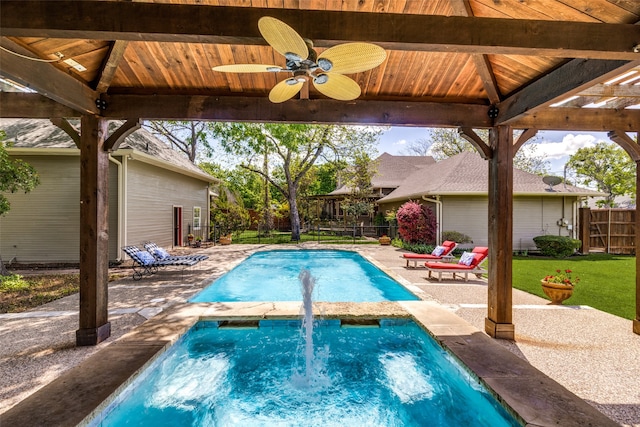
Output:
[[470, 64]]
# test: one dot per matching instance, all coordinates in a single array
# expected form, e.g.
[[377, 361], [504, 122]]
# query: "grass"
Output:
[[607, 282], [21, 293], [277, 237]]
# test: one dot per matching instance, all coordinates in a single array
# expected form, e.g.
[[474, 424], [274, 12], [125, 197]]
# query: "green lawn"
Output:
[[607, 282], [277, 237]]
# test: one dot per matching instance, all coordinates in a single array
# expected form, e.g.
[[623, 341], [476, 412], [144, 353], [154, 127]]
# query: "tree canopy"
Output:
[[188, 137], [292, 149], [606, 166]]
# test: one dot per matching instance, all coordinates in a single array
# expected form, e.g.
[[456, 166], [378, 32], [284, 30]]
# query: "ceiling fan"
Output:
[[325, 71]]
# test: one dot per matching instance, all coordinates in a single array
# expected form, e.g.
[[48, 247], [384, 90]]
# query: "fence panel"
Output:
[[612, 231]]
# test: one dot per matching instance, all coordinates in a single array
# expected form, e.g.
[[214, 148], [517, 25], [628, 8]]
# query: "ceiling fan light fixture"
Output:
[[294, 57], [292, 81], [320, 79], [274, 69], [325, 64]]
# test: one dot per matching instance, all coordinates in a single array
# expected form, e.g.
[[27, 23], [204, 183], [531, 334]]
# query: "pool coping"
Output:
[[81, 393]]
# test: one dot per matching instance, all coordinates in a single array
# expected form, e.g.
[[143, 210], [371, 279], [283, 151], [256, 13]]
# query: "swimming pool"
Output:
[[341, 276], [389, 374]]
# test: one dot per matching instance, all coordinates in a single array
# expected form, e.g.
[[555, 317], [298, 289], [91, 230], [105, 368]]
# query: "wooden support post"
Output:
[[636, 321], [584, 233], [94, 238], [498, 323]]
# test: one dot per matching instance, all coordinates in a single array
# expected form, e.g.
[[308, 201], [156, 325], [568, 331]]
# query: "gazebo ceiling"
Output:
[[545, 64]]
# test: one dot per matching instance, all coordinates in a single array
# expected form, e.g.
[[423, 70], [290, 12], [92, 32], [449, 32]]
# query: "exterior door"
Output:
[[177, 226]]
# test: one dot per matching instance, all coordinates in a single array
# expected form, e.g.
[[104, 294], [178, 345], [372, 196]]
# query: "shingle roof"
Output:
[[391, 171], [38, 133], [468, 173]]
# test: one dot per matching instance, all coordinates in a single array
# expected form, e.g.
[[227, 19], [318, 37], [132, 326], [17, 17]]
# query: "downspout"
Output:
[[438, 216], [120, 206]]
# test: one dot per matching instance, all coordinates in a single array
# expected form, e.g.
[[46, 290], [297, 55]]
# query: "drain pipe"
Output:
[[120, 207], [438, 204]]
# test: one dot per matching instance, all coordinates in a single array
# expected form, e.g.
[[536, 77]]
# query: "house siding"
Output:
[[532, 216], [151, 195]]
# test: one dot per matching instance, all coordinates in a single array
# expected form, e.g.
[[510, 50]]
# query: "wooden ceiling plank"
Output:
[[110, 65], [259, 109], [570, 79], [18, 105], [46, 79], [216, 24]]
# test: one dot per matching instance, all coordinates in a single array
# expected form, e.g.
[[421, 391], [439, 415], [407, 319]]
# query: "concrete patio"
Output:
[[593, 354]]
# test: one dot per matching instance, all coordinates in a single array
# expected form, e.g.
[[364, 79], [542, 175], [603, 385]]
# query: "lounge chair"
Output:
[[162, 255], [442, 252], [475, 259], [145, 264]]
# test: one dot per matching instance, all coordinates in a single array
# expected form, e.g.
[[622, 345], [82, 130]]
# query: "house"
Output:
[[457, 190], [154, 194], [390, 172]]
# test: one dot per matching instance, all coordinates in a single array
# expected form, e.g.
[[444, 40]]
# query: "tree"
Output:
[[445, 143], [293, 149], [357, 178], [606, 166], [15, 175], [188, 137]]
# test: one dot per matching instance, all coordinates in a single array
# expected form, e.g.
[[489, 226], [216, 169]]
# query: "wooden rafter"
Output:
[[114, 140], [523, 138], [68, 129], [238, 25], [629, 145], [17, 105], [570, 79], [483, 66], [483, 148], [46, 79], [110, 65], [580, 119]]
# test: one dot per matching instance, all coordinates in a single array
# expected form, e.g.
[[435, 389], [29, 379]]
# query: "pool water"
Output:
[[392, 374], [341, 276]]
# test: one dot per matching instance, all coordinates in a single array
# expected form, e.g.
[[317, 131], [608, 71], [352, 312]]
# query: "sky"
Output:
[[556, 146]]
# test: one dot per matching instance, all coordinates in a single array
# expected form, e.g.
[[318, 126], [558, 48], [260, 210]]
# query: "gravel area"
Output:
[[593, 354]]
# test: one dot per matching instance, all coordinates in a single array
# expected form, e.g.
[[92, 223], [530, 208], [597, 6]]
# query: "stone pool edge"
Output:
[[78, 395]]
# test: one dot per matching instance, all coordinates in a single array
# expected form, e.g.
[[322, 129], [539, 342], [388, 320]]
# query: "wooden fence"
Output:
[[608, 230]]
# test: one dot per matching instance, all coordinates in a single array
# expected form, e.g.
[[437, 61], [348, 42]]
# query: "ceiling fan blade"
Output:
[[337, 86], [349, 58], [247, 68], [283, 38], [285, 90]]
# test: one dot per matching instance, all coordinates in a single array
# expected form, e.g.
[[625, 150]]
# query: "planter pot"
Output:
[[385, 240], [225, 240], [557, 291]]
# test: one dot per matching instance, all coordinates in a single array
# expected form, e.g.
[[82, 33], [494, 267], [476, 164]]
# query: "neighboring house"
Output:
[[154, 194], [390, 172], [457, 190]]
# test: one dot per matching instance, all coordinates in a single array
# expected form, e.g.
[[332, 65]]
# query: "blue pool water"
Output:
[[391, 375], [273, 276]]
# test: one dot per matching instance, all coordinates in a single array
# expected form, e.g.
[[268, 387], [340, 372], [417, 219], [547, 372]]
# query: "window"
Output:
[[197, 213]]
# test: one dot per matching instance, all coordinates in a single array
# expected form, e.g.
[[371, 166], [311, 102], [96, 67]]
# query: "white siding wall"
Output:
[[43, 225], [532, 216], [151, 195]]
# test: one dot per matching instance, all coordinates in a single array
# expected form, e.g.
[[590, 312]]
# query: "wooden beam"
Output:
[[602, 90], [499, 322], [18, 105], [110, 65], [258, 109], [68, 129], [580, 119], [526, 135], [485, 151], [94, 233], [629, 145], [115, 139], [77, 19], [483, 65], [45, 78], [567, 80], [636, 321]]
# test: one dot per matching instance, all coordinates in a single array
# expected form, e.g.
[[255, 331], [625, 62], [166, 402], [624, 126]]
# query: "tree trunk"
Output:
[[294, 217], [3, 269], [267, 217]]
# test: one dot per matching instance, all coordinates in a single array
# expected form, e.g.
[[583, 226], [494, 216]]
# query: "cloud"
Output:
[[400, 142], [569, 145]]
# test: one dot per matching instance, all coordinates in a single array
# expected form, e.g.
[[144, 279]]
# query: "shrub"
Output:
[[416, 223], [556, 246], [456, 236]]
